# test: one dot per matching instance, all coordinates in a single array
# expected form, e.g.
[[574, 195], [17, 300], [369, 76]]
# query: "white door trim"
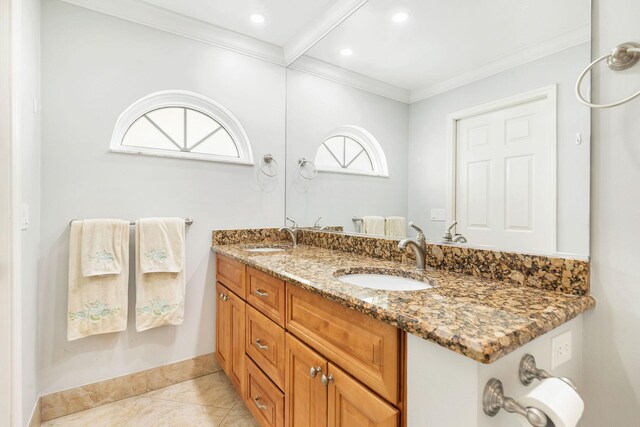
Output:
[[7, 267], [550, 93]]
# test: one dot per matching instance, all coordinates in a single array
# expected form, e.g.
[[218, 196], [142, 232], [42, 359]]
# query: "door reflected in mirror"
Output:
[[458, 117]]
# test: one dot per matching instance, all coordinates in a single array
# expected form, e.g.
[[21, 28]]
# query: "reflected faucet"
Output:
[[293, 232], [418, 245], [449, 238]]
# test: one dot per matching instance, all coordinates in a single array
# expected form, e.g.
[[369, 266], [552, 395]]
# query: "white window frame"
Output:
[[371, 146], [182, 99]]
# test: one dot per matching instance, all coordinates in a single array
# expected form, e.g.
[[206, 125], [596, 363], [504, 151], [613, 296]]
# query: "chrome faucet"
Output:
[[449, 238], [419, 246], [293, 231], [317, 224]]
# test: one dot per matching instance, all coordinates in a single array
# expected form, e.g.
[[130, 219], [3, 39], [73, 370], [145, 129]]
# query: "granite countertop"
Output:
[[479, 318]]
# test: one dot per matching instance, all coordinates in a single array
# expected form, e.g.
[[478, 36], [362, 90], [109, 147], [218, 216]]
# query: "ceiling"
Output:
[[445, 39], [285, 18]]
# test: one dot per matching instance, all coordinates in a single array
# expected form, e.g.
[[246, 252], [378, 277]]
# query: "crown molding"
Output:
[[570, 39], [175, 23], [319, 27], [336, 74]]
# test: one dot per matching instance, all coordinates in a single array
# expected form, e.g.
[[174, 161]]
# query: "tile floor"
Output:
[[209, 401]]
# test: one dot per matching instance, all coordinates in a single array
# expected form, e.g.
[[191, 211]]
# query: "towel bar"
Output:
[[187, 221]]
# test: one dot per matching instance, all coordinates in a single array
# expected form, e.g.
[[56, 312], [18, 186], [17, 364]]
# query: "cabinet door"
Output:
[[237, 367], [306, 397], [230, 335], [223, 326], [353, 405]]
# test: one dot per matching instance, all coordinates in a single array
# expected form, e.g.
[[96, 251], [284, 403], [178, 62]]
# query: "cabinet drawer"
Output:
[[231, 273], [267, 294], [366, 348], [265, 343], [264, 399]]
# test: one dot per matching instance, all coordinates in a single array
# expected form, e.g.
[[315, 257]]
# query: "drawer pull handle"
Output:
[[260, 406], [261, 293], [327, 379], [224, 298], [261, 346], [315, 370]]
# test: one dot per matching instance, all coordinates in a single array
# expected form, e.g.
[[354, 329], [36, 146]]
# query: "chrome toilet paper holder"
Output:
[[493, 398]]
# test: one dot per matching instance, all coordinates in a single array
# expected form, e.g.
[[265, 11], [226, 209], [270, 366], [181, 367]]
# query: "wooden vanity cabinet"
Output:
[[230, 335], [301, 360]]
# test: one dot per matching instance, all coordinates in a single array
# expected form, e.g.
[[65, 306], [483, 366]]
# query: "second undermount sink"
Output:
[[266, 249], [384, 282]]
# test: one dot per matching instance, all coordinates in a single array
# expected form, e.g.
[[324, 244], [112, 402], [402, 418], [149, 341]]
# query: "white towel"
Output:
[[159, 296], [101, 244], [161, 245], [96, 304], [395, 226], [373, 225]]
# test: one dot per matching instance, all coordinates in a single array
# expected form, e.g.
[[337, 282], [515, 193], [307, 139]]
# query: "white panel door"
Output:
[[505, 178]]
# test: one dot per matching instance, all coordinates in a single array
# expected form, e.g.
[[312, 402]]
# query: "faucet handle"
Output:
[[317, 224], [293, 223], [421, 235], [453, 224]]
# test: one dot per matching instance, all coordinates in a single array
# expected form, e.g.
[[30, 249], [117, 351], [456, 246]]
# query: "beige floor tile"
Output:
[[210, 390], [160, 413], [114, 414], [239, 416]]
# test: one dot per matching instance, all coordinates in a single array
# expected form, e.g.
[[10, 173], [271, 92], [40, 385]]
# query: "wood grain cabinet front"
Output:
[[265, 344], [264, 400], [368, 349], [306, 402], [231, 274], [267, 294], [230, 336]]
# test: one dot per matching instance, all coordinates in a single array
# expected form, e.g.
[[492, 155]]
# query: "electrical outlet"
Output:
[[560, 349], [438, 214]]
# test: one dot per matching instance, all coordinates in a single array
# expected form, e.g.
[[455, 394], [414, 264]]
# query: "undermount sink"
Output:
[[266, 249], [384, 282]]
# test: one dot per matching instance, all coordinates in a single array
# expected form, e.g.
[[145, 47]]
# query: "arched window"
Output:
[[352, 150], [181, 124]]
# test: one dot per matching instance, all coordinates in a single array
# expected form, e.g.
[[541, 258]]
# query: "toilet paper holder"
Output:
[[528, 372], [493, 398]]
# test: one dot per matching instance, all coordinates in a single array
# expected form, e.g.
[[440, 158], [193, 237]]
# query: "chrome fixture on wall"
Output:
[[622, 57], [449, 238], [302, 164], [493, 398], [187, 221], [268, 160]]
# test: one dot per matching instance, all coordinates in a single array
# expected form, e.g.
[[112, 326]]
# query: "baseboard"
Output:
[[89, 396], [35, 420]]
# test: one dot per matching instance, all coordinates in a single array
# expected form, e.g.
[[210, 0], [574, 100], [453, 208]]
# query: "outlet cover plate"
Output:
[[438, 214], [560, 349]]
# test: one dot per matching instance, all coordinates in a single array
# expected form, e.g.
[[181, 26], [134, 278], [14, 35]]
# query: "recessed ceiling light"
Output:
[[400, 17], [346, 52], [257, 18]]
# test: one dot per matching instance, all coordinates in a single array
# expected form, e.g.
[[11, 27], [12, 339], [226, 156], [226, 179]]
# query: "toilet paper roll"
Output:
[[561, 403]]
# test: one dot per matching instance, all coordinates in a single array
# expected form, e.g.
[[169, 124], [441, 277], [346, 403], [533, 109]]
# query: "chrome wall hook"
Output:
[[493, 399], [528, 372]]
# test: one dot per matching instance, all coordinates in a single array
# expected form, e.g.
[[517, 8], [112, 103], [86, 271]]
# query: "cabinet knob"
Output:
[[315, 370], [260, 345], [260, 406], [327, 379], [224, 298], [261, 293]]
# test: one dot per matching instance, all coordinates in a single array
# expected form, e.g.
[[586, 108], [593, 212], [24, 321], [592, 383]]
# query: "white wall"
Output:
[[427, 143], [612, 352], [29, 184], [315, 107], [93, 67]]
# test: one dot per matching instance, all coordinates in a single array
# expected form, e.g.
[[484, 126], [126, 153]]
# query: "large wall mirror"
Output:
[[446, 112]]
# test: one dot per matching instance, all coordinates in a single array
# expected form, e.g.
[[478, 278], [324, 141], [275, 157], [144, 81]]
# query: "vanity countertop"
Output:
[[479, 318]]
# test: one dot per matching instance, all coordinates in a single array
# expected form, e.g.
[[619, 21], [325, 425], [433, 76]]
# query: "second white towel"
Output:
[[373, 225], [160, 294]]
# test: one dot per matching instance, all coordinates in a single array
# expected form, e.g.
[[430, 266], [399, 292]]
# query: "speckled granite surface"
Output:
[[480, 318], [566, 275]]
